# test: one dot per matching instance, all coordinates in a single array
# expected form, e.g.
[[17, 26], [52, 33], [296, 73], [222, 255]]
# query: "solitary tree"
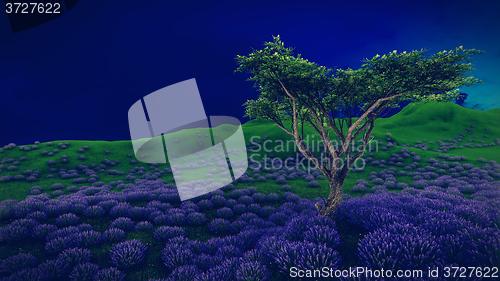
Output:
[[341, 105]]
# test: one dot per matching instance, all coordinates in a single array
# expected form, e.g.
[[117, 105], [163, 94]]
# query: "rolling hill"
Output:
[[429, 130]]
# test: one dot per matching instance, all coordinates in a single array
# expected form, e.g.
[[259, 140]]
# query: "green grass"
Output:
[[439, 121], [419, 122], [98, 151], [429, 123], [488, 153]]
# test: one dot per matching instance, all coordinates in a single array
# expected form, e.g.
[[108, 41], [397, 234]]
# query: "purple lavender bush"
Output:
[[128, 254], [164, 233], [242, 234], [399, 246], [251, 271], [17, 262], [109, 274], [175, 255], [114, 235], [83, 272]]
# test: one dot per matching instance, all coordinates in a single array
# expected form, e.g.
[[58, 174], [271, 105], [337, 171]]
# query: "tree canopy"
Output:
[[342, 104], [396, 75]]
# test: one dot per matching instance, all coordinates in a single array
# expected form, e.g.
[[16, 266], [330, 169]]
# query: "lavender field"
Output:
[[93, 213]]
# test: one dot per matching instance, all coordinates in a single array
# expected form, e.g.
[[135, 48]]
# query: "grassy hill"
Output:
[[423, 123], [429, 129], [440, 121]]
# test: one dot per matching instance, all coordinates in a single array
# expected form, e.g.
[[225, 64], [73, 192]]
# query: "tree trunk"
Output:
[[335, 195]]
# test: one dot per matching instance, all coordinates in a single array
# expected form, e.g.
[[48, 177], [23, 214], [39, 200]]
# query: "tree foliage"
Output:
[[294, 91]]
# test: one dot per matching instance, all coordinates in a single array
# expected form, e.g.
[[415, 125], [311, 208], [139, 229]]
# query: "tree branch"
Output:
[[364, 141], [366, 114], [298, 141]]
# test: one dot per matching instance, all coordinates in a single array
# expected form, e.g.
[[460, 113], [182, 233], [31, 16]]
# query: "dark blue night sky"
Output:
[[75, 77]]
